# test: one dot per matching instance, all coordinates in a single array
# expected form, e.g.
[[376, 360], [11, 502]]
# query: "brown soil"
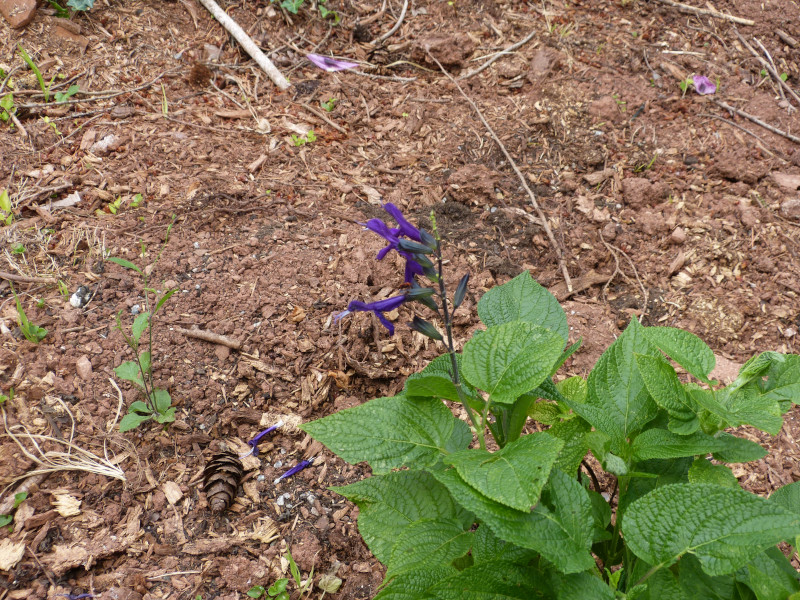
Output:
[[666, 205]]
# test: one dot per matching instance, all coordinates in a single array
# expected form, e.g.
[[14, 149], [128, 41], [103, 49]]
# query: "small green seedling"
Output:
[[157, 404], [6, 215], [326, 12], [63, 290], [80, 4], [111, 207], [329, 105], [5, 398], [292, 6], [52, 125], [7, 106], [278, 589], [64, 96], [33, 333], [685, 85], [646, 167], [137, 200], [32, 65], [61, 12], [302, 140], [7, 519]]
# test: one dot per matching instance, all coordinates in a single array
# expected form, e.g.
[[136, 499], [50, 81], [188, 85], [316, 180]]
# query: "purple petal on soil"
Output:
[[326, 63], [703, 85]]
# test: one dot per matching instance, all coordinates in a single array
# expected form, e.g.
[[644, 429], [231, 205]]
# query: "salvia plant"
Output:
[[494, 511]]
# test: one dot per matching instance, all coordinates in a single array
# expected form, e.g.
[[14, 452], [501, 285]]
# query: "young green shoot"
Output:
[[33, 333]]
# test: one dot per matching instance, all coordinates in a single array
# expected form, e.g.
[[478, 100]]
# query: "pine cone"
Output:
[[221, 479]]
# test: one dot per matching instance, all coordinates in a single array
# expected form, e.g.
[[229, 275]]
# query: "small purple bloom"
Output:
[[256, 440], [296, 469], [393, 234], [378, 308], [703, 85], [76, 596], [326, 63]]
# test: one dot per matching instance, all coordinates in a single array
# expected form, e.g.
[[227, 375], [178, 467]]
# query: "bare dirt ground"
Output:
[[666, 205]]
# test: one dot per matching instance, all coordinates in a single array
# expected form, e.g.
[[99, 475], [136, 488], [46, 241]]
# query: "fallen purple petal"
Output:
[[256, 440], [296, 469], [703, 85], [326, 63]]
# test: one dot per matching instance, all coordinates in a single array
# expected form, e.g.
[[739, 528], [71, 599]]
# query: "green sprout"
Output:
[[302, 140], [33, 333], [7, 106], [329, 105], [64, 96]]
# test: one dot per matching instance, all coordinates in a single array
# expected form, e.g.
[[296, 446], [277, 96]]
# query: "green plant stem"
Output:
[[647, 575], [448, 325]]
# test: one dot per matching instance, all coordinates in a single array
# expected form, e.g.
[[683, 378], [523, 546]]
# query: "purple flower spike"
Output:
[[406, 228], [393, 235], [296, 469], [326, 63], [378, 308], [256, 440], [703, 85]]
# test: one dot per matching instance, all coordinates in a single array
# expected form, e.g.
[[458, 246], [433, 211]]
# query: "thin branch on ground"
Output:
[[210, 336], [769, 66], [101, 97], [757, 121], [375, 17], [612, 249], [391, 32], [706, 11], [247, 43], [24, 279], [500, 54], [317, 113], [747, 131], [553, 243]]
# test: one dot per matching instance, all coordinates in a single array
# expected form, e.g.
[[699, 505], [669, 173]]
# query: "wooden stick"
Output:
[[757, 121], [316, 113], [768, 66], [500, 54], [210, 336], [24, 279], [531, 195], [391, 32], [706, 11], [247, 43]]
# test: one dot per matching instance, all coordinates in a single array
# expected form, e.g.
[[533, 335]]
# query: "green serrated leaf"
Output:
[[129, 371], [389, 503], [573, 433], [703, 471], [522, 299], [140, 324], [560, 527], [139, 407], [665, 388], [660, 443], [487, 547], [496, 580], [510, 359], [736, 407], [699, 585], [514, 475], [685, 348], [582, 586], [738, 450], [434, 382], [124, 263], [414, 585], [392, 432], [429, 543], [724, 527], [166, 417], [617, 402], [770, 575], [132, 421]]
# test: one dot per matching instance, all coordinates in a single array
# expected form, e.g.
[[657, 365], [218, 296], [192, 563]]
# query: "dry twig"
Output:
[[24, 279], [707, 11], [757, 121], [210, 336], [247, 43], [500, 54], [392, 31], [769, 66], [316, 113], [553, 243]]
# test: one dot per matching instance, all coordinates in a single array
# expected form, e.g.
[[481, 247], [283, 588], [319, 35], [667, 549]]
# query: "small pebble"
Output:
[[281, 500], [136, 309], [678, 236], [278, 464], [83, 366], [260, 478]]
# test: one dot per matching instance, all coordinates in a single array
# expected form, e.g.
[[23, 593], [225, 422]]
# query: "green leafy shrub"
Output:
[[451, 521]]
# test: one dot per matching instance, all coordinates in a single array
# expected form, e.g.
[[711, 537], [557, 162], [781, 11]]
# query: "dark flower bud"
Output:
[[416, 292], [413, 247], [425, 328], [428, 239], [461, 291]]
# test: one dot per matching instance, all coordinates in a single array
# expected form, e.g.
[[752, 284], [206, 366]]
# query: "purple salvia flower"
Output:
[[256, 440], [296, 469], [703, 85], [393, 234], [326, 63], [378, 307]]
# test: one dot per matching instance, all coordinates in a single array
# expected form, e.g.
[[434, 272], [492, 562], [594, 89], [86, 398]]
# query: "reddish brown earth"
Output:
[[666, 205]]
